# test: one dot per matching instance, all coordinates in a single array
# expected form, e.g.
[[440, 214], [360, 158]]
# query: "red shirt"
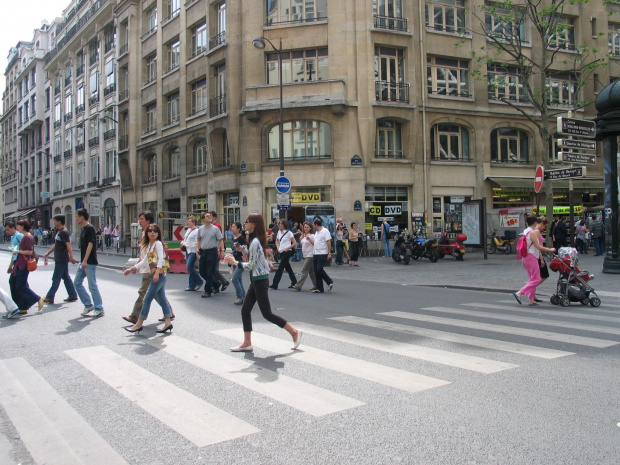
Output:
[[216, 224]]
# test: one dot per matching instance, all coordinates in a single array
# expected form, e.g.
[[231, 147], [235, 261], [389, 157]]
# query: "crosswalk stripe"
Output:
[[297, 394], [546, 311], [526, 319], [198, 421], [535, 333], [467, 362], [577, 307], [505, 346], [52, 431], [388, 376]]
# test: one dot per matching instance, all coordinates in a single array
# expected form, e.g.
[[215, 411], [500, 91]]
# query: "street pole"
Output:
[[281, 139]]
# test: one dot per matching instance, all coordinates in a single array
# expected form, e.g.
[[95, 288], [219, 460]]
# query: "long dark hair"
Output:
[[259, 229], [145, 237]]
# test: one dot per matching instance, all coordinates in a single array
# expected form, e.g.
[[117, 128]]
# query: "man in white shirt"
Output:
[[322, 248], [107, 234]]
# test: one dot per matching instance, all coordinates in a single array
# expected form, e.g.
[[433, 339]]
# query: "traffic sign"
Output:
[[576, 144], [579, 158], [284, 207], [576, 127], [538, 178], [177, 232], [283, 185], [577, 172], [45, 195]]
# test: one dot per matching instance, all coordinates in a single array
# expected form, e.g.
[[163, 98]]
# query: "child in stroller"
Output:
[[572, 283]]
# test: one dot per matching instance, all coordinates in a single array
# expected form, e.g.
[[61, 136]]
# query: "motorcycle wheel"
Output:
[[395, 257], [406, 259], [441, 254], [433, 256], [458, 255], [491, 248], [508, 248]]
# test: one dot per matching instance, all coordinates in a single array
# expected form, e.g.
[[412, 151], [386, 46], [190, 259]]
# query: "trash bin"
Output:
[[177, 261]]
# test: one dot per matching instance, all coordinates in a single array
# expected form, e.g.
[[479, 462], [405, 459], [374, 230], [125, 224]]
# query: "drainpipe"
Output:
[[424, 131]]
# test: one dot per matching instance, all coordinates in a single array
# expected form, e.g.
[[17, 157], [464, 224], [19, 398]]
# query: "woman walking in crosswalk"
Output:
[[258, 266]]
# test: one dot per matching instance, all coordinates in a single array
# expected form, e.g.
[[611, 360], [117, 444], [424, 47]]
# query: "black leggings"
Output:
[[258, 292]]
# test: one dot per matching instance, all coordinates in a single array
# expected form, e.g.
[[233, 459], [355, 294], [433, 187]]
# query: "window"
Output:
[[57, 181], [504, 82], [151, 68], [68, 140], [110, 165], [173, 54], [151, 117], [562, 90], [150, 168], [509, 146], [94, 169], [447, 76], [389, 139], [298, 66], [221, 19], [449, 142], [174, 6], [613, 39], [151, 20], [68, 104], [385, 194], [198, 204], [200, 157], [68, 177], [284, 11], [390, 75], [174, 163], [199, 39], [199, 96], [562, 34], [80, 97], [57, 146], [93, 49], [504, 24], [173, 108], [57, 112], [445, 15], [79, 135], [94, 83], [388, 14], [80, 173], [302, 140], [110, 75]]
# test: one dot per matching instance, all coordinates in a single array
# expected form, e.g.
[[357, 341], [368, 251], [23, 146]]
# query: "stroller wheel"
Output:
[[585, 301], [595, 302], [564, 301], [555, 299]]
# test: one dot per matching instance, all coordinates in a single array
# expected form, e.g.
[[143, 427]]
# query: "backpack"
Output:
[[522, 246]]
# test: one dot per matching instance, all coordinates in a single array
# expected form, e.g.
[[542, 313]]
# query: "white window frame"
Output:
[[449, 12], [173, 108], [455, 77], [455, 136], [199, 96], [299, 66], [567, 91]]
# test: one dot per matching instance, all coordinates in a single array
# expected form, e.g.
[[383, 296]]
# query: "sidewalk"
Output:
[[499, 273]]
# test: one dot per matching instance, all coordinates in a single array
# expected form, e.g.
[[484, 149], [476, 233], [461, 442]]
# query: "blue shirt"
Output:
[[15, 240]]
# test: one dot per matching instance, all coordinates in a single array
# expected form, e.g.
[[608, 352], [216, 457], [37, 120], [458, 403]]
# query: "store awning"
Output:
[[17, 214], [561, 185]]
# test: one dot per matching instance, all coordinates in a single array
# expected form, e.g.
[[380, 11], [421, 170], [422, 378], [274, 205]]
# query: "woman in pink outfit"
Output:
[[530, 261]]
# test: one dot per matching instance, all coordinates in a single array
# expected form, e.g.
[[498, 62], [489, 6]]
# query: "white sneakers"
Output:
[[95, 313], [242, 349], [87, 310], [298, 340]]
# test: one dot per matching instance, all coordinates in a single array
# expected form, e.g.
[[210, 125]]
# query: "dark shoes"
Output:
[[71, 299], [272, 287], [205, 295], [130, 319], [224, 286], [48, 301]]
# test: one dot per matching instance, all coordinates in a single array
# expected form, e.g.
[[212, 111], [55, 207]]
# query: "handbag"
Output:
[[154, 258], [31, 264]]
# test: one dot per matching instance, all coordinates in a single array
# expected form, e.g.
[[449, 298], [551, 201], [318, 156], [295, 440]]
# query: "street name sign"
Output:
[[45, 195], [564, 173], [576, 144], [579, 158], [576, 127]]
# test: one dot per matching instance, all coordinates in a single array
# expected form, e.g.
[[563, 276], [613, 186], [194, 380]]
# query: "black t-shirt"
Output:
[[88, 235], [61, 253], [241, 241]]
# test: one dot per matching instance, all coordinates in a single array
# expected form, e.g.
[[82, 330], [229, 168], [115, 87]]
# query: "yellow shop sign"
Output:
[[578, 209], [306, 197]]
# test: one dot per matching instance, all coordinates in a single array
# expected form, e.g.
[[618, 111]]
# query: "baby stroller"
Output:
[[572, 282]]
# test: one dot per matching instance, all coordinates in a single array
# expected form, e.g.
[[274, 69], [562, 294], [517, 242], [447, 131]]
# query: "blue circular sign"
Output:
[[283, 185]]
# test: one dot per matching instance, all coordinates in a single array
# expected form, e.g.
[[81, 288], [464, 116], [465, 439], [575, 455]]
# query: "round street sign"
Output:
[[283, 185], [538, 178]]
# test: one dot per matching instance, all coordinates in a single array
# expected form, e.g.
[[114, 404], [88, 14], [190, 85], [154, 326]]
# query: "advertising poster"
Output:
[[509, 221], [325, 212], [473, 215]]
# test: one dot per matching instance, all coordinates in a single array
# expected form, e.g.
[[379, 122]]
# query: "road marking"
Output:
[[576, 307], [526, 319], [505, 346], [543, 311], [52, 431], [467, 362], [568, 338], [297, 394], [388, 376], [196, 420]]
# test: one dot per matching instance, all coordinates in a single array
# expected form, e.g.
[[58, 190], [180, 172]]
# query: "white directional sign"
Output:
[[579, 158], [576, 144], [564, 173], [576, 127]]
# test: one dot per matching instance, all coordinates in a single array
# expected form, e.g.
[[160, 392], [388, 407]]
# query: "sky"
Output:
[[18, 21]]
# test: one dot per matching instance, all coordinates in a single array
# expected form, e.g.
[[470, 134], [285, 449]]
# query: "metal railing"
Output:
[[79, 70], [68, 154], [57, 158], [93, 100], [80, 148], [217, 40], [109, 134], [124, 95], [390, 23], [386, 91], [57, 124], [68, 117], [124, 49], [109, 89], [67, 81], [123, 143], [217, 106], [93, 58], [93, 141], [80, 109]]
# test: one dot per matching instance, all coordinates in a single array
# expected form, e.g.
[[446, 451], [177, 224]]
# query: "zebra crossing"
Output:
[[54, 432]]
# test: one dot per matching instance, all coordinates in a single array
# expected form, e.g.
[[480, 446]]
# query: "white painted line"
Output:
[[505, 346], [52, 431], [535, 333], [388, 376], [299, 395], [547, 311], [575, 306], [466, 362], [198, 421], [526, 319]]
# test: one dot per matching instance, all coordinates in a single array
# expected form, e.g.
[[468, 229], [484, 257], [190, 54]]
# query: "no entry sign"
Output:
[[538, 178]]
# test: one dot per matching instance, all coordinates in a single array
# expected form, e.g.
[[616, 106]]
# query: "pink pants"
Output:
[[530, 263]]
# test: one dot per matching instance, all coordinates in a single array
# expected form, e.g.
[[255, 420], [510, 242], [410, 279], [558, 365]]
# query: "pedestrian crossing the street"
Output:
[[53, 431]]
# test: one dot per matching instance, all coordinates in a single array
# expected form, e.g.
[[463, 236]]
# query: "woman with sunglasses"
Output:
[[152, 244], [258, 266]]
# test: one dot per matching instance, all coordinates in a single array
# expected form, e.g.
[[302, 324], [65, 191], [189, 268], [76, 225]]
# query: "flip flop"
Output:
[[535, 304], [517, 297]]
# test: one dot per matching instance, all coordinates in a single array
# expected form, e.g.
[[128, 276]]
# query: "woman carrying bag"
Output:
[[240, 249], [21, 293], [285, 243], [307, 247]]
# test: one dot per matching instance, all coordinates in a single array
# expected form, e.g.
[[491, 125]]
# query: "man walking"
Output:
[[322, 247], [559, 234], [597, 229], [88, 267], [63, 254], [221, 280], [385, 238], [210, 248], [145, 219], [107, 234], [15, 238]]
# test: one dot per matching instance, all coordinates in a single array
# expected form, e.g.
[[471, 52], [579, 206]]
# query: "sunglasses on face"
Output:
[[152, 230]]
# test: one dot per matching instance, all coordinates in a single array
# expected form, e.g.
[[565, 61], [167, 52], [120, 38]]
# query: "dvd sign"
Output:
[[391, 210]]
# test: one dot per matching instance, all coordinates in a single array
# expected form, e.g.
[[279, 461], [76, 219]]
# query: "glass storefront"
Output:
[[391, 202]]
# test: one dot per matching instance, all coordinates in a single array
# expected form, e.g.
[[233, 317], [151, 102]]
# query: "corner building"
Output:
[[382, 114]]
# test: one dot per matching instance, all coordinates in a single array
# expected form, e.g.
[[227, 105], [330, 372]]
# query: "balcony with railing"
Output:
[[124, 49], [80, 109], [217, 106], [57, 158], [57, 124], [110, 134], [79, 70], [150, 178], [390, 23], [109, 45], [123, 143], [67, 81], [94, 100], [94, 183], [109, 90], [217, 40], [57, 193], [56, 90], [387, 91], [80, 148], [68, 190], [93, 58], [68, 117], [68, 154], [93, 142], [124, 95], [171, 16]]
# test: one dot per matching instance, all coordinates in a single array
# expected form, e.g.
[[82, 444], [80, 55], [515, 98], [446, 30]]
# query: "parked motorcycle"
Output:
[[402, 249], [450, 247], [503, 243], [424, 248]]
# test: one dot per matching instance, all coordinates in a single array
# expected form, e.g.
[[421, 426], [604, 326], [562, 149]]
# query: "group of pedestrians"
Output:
[[348, 243], [585, 233]]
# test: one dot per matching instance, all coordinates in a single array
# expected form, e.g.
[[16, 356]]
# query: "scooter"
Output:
[[503, 243], [450, 247], [424, 248], [402, 249]]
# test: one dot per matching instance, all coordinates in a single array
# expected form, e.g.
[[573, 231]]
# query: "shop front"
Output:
[[448, 214], [300, 197], [386, 202]]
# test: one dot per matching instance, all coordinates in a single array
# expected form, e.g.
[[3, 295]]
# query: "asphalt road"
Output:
[[386, 374]]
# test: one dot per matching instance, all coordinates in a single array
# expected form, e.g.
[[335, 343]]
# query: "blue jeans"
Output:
[[61, 272], [238, 283], [298, 252], [156, 289], [598, 244], [91, 274], [387, 249], [207, 265], [22, 295], [339, 252], [194, 277]]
